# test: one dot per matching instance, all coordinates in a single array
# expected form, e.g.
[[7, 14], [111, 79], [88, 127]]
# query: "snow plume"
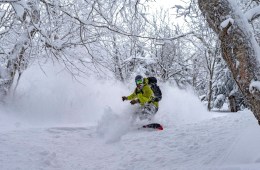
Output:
[[8, 122], [181, 107], [54, 98], [113, 126]]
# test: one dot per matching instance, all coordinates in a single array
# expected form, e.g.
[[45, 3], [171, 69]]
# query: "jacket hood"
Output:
[[145, 81]]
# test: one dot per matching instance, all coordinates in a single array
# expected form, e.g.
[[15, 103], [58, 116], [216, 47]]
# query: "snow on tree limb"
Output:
[[246, 28], [254, 88], [8, 1], [226, 23], [253, 13], [19, 8]]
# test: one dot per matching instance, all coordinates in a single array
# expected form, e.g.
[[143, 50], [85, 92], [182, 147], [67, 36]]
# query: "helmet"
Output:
[[139, 79]]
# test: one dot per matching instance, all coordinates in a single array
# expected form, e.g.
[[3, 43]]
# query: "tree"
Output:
[[238, 45], [69, 32], [206, 53], [16, 60], [107, 38], [171, 61]]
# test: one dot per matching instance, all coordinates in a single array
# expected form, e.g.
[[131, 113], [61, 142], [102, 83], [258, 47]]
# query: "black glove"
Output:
[[124, 98], [134, 101]]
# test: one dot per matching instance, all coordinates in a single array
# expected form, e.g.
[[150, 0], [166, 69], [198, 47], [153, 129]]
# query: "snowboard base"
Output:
[[153, 126]]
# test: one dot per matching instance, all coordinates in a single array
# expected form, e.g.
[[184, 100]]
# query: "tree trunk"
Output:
[[232, 103], [210, 94], [239, 48]]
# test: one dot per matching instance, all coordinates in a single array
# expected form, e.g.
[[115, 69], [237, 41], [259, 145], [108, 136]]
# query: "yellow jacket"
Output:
[[145, 95]]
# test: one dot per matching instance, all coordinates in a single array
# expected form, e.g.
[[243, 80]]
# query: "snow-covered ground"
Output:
[[53, 122]]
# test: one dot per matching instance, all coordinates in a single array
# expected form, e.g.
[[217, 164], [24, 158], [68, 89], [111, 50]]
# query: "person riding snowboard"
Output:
[[144, 96]]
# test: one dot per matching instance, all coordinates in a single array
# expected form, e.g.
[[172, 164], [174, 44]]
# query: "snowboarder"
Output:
[[143, 95]]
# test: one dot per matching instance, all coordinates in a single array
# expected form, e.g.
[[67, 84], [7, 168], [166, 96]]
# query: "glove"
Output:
[[134, 102], [124, 98]]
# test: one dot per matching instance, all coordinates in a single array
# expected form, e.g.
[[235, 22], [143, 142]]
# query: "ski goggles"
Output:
[[139, 82]]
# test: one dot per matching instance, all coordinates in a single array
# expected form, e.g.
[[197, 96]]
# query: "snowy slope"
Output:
[[55, 123], [217, 143]]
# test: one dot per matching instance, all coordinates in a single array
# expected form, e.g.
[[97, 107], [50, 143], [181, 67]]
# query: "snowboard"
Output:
[[155, 126]]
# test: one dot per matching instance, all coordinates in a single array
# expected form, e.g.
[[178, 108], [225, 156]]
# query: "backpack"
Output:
[[152, 81]]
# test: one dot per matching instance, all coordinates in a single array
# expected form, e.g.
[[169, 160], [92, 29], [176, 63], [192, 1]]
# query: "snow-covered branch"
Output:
[[254, 88], [253, 13], [9, 1], [225, 25]]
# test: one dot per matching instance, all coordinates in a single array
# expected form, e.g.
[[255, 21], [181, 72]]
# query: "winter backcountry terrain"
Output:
[[54, 122]]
